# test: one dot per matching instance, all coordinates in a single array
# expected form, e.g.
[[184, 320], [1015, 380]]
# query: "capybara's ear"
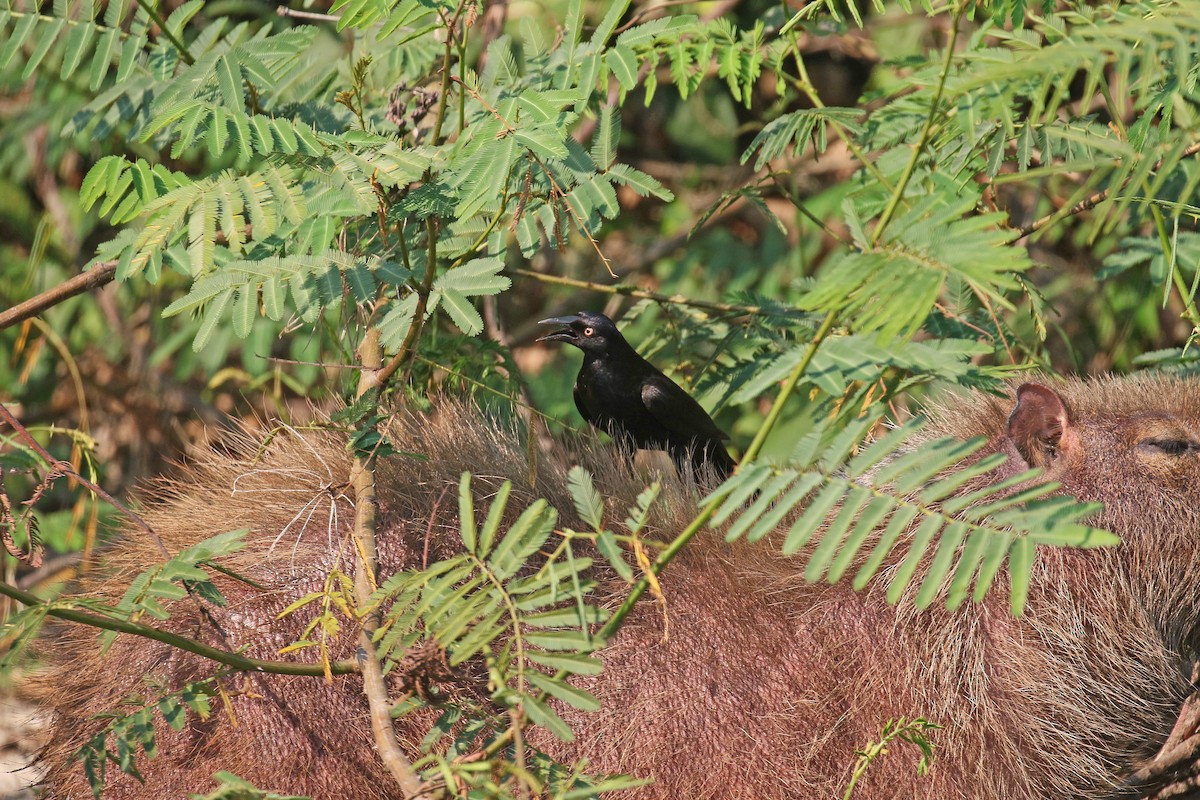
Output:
[[1039, 425]]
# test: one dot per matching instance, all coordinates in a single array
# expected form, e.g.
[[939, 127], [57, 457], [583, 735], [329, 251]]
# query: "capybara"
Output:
[[765, 686]]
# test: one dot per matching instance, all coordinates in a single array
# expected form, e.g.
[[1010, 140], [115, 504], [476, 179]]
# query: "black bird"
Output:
[[623, 395]]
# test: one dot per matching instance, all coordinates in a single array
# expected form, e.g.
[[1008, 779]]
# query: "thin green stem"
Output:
[[235, 660], [764, 430], [446, 77], [170, 34], [441, 109], [800, 206], [403, 355], [926, 131], [404, 257], [669, 552], [462, 96], [513, 615], [912, 732]]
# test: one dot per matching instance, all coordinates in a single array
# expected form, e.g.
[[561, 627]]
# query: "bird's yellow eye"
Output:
[[588, 331]]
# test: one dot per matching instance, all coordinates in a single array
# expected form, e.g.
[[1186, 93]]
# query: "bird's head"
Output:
[[587, 330]]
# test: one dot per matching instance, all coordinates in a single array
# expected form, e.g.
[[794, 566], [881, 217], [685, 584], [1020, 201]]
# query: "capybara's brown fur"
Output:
[[766, 685]]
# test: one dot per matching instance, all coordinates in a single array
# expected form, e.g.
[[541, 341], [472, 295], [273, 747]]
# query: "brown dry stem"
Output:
[[1091, 202], [365, 582], [94, 278]]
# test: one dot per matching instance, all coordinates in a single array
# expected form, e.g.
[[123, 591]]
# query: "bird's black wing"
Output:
[[677, 411], [583, 405]]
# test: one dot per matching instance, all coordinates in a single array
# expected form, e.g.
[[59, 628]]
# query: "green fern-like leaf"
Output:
[[608, 134], [132, 732], [797, 129], [588, 502], [497, 596], [172, 580], [891, 287], [232, 787], [316, 282], [885, 495], [73, 37]]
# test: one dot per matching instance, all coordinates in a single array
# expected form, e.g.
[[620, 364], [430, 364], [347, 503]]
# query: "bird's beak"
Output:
[[563, 335]]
